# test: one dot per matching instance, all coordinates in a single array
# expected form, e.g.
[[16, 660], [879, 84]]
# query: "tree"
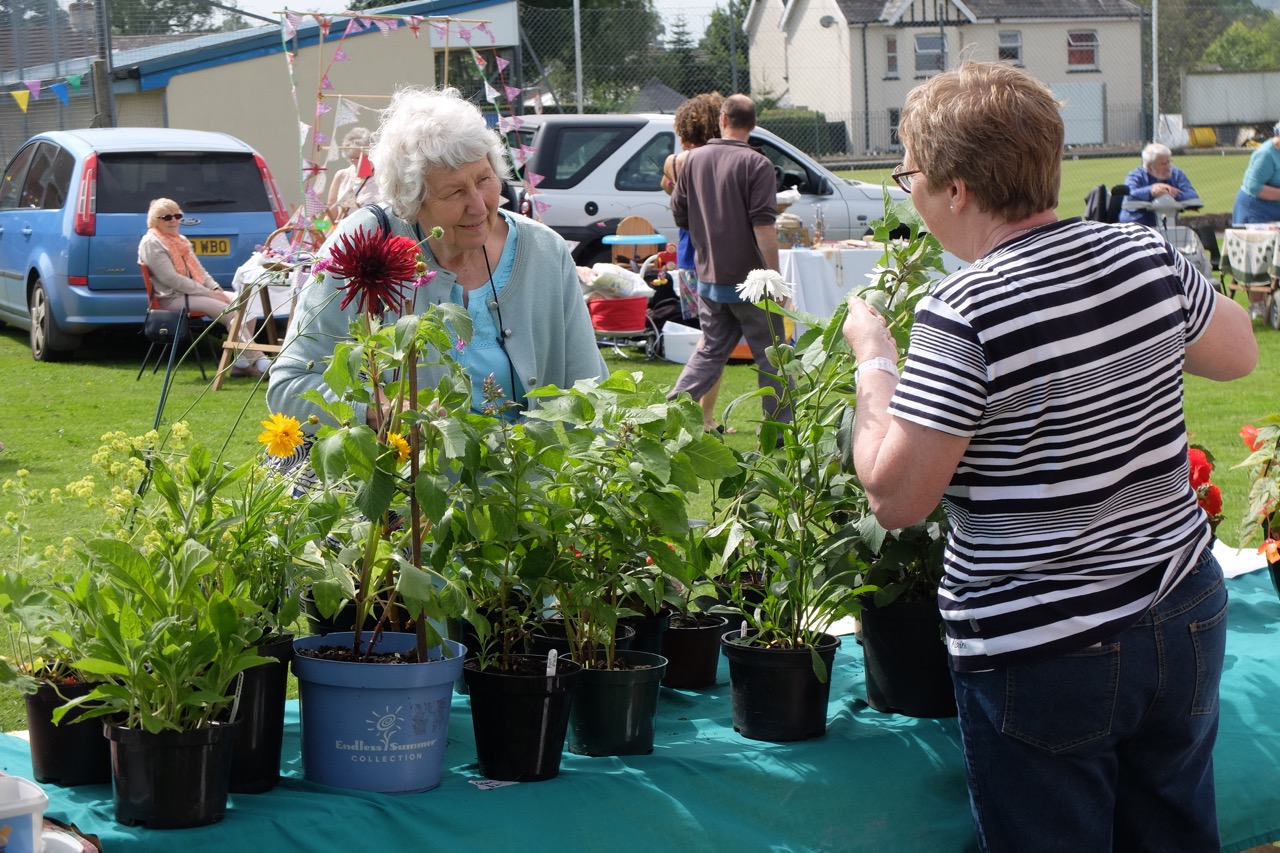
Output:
[[683, 66], [151, 17], [1244, 48], [1187, 28], [720, 56]]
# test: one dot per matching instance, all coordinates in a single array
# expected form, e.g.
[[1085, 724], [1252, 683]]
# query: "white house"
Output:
[[855, 60]]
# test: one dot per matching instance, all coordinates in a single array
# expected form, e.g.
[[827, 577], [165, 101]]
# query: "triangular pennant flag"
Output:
[[415, 24], [506, 124], [74, 81], [526, 151], [540, 207], [325, 85], [353, 26], [303, 130], [34, 86], [442, 30], [322, 108], [517, 157], [340, 55], [314, 206], [60, 89], [464, 34], [312, 169], [333, 151], [533, 178], [502, 64], [288, 26], [289, 57], [513, 92], [324, 23], [477, 58], [322, 139], [490, 93], [21, 98], [346, 114], [484, 28], [386, 27]]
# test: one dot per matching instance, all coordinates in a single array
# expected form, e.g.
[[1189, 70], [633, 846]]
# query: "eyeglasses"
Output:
[[902, 177], [169, 217]]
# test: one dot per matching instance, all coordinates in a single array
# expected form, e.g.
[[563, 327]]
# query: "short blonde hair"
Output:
[[993, 126], [427, 129], [159, 207]]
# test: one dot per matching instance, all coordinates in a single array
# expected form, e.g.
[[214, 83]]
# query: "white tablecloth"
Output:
[[824, 277], [253, 273]]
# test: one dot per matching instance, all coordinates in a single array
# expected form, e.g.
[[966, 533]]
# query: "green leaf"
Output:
[[711, 458]]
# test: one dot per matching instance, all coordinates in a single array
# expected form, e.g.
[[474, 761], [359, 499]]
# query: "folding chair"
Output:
[[185, 330]]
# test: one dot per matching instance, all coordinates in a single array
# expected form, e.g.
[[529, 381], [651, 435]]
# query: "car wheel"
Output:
[[48, 343], [597, 253]]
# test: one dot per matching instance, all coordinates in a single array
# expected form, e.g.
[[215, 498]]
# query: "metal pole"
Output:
[[577, 48], [1155, 69], [733, 47]]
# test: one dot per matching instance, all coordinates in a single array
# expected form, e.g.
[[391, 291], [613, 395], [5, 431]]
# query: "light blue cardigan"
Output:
[[551, 340]]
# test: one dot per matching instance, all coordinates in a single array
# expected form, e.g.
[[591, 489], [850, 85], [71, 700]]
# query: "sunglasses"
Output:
[[169, 217]]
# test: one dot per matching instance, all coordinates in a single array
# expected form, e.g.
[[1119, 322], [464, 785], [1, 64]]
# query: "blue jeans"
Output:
[[1106, 748]]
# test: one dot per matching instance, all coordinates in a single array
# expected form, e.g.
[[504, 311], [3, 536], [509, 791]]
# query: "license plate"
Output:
[[212, 245]]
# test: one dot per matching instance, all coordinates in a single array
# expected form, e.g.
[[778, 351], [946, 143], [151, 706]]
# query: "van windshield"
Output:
[[222, 183]]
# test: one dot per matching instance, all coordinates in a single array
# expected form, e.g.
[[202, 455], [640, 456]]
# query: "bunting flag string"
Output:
[[33, 88]]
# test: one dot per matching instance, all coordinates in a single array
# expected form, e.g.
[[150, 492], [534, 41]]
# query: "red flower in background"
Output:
[[1201, 468], [1249, 433], [376, 265], [1210, 499]]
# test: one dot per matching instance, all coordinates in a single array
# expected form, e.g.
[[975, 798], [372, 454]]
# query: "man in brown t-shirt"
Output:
[[726, 198]]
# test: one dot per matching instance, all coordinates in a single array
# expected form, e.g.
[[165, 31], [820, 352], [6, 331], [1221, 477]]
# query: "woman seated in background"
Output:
[[350, 190], [438, 165], [181, 283]]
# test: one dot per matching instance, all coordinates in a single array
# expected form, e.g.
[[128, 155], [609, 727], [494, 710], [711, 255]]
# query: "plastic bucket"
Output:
[[22, 806]]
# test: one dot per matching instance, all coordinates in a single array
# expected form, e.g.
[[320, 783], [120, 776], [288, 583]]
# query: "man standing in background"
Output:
[[726, 198]]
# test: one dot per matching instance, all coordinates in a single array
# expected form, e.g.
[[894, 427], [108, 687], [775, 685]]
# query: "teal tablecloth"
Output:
[[876, 782]]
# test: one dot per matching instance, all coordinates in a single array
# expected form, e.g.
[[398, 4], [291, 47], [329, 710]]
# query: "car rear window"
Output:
[[198, 182]]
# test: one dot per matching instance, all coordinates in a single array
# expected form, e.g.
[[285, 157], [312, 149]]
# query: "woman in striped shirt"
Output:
[[1042, 386]]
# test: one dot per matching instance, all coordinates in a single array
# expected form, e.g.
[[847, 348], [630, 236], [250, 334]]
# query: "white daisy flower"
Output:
[[765, 283]]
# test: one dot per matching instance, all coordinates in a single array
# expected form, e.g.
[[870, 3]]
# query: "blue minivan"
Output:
[[73, 206]]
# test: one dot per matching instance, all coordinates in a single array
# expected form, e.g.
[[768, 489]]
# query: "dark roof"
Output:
[[871, 11]]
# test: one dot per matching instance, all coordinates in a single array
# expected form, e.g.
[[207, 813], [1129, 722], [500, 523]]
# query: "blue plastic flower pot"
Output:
[[375, 726]]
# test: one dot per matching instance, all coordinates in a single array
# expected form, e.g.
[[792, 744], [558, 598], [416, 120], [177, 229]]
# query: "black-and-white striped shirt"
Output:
[[1060, 355]]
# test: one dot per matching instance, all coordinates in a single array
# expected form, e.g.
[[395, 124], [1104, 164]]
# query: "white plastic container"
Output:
[[679, 342], [22, 805]]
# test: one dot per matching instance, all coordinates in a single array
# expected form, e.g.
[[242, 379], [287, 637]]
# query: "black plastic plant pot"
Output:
[[71, 753], [692, 651], [551, 635], [649, 631], [255, 762], [520, 718], [614, 709], [171, 780], [776, 694], [906, 660]]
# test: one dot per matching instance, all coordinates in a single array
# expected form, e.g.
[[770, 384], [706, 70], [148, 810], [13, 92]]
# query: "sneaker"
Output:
[[245, 369], [263, 364]]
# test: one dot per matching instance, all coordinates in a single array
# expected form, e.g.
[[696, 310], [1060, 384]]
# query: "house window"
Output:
[[929, 56], [1082, 50], [894, 116], [891, 56], [1011, 47]]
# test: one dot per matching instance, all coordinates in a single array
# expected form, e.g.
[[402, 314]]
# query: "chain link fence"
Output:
[[635, 56]]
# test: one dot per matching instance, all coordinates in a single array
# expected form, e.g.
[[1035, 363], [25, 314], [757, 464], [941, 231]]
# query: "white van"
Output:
[[597, 169]]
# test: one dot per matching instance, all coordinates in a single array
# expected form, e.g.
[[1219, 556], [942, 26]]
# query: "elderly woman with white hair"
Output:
[[439, 166]]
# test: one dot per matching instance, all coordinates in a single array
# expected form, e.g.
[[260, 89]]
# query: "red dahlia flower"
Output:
[[376, 266], [1201, 468]]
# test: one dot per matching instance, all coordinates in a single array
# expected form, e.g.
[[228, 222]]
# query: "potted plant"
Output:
[[904, 653], [784, 535], [166, 632], [1262, 516], [392, 486], [691, 643], [631, 459], [40, 668]]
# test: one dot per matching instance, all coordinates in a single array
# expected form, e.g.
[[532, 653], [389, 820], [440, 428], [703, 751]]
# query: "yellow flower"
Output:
[[282, 434], [396, 440]]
